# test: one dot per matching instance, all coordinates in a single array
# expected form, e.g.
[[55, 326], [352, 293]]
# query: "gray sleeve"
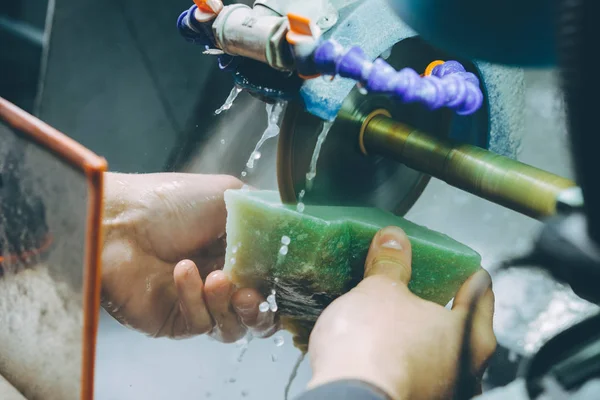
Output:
[[344, 390], [515, 391]]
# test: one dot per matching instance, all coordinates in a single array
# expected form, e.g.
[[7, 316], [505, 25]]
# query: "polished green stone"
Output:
[[326, 253]]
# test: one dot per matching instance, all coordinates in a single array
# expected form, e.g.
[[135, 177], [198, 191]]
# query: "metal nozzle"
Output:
[[502, 180]]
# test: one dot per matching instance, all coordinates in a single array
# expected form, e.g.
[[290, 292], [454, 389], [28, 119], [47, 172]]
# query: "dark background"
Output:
[[114, 75]]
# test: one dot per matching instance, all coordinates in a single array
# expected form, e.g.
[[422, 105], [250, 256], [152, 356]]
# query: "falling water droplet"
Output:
[[263, 307], [222, 141], [361, 89], [230, 99], [232, 261], [386, 54], [244, 173], [279, 341], [300, 207], [274, 357], [285, 240], [283, 250]]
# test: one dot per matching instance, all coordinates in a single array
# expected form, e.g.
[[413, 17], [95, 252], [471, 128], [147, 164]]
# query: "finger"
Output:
[[483, 339], [478, 288], [218, 293], [390, 255], [190, 291], [246, 303], [473, 290]]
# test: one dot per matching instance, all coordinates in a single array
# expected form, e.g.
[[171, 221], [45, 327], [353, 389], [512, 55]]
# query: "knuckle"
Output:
[[386, 258], [390, 262]]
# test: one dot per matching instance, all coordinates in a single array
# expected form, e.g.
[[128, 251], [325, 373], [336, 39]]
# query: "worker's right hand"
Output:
[[383, 334], [163, 253]]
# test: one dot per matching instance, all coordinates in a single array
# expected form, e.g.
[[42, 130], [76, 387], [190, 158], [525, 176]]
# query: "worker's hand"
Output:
[[384, 335], [163, 251]]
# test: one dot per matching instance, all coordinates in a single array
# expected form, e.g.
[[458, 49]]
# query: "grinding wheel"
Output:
[[346, 176]]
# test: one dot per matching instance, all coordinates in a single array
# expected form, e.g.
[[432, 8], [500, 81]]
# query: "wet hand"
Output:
[[163, 253], [383, 334]]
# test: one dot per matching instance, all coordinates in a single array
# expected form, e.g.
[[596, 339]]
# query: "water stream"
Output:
[[230, 99], [274, 114], [312, 173], [293, 375]]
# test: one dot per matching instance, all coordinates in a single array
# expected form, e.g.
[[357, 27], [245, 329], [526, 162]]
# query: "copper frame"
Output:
[[93, 167]]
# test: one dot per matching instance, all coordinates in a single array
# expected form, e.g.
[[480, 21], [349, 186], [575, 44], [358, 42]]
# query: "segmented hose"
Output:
[[449, 85]]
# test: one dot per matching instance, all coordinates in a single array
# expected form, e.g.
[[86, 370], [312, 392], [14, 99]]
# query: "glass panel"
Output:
[[43, 207]]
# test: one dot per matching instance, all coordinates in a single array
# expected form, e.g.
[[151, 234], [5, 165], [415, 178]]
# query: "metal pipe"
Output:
[[504, 181], [241, 31]]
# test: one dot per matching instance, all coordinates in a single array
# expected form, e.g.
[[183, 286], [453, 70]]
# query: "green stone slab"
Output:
[[326, 254]]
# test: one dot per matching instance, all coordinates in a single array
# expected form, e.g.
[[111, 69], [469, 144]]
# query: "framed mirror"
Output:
[[50, 238]]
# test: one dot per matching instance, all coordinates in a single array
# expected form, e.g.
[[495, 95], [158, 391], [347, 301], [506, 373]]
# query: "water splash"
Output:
[[272, 302], [243, 345], [293, 375], [312, 173], [230, 99], [278, 340]]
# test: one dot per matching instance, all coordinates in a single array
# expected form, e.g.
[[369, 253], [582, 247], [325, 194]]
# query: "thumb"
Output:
[[390, 255]]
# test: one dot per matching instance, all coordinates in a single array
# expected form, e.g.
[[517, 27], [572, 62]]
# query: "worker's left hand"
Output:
[[165, 234]]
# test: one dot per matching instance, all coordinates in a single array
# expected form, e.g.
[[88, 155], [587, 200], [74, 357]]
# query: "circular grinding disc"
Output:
[[344, 174]]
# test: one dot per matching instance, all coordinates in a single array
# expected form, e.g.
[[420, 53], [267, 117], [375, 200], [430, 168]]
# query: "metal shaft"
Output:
[[512, 184]]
